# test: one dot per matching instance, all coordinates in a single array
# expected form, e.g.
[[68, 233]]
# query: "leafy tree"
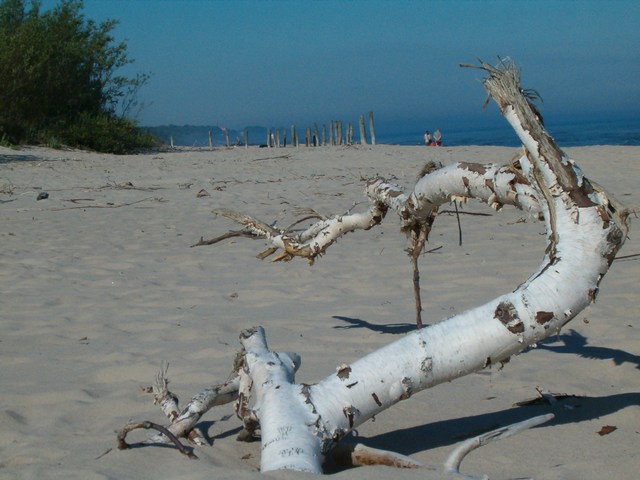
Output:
[[58, 77]]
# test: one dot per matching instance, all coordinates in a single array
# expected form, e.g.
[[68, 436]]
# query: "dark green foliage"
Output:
[[104, 133], [58, 79]]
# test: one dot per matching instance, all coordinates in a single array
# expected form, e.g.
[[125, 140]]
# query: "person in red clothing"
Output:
[[437, 137], [428, 140]]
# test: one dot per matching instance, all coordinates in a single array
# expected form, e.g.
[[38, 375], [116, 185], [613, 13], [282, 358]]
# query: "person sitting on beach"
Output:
[[437, 136], [427, 139]]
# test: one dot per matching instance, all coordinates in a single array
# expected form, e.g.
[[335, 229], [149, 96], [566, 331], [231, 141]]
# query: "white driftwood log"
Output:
[[585, 229], [494, 184]]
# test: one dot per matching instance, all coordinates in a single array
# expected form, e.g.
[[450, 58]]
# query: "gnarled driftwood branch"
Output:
[[585, 229]]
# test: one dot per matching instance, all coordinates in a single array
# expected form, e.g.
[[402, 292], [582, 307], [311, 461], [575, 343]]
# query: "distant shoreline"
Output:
[[567, 134]]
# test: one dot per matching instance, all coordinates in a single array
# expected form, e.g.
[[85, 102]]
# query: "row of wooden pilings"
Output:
[[315, 137], [335, 134]]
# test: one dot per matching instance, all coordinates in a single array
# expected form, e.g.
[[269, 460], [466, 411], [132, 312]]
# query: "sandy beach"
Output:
[[99, 285]]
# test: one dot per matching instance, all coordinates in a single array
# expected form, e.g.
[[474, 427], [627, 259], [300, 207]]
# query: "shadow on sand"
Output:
[[573, 342], [455, 430], [19, 158], [390, 328]]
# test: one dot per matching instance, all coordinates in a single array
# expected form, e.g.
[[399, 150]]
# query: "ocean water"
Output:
[[565, 134]]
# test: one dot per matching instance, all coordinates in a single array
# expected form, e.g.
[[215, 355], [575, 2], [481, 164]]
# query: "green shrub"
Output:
[[106, 133], [58, 71]]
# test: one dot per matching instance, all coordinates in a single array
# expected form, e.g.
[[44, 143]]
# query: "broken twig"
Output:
[[122, 434]]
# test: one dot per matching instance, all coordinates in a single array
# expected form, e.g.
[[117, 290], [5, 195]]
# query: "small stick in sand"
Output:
[[231, 234], [122, 434], [452, 465]]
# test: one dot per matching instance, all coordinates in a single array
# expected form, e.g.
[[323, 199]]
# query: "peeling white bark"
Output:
[[493, 184], [183, 422], [585, 230], [288, 442], [586, 238]]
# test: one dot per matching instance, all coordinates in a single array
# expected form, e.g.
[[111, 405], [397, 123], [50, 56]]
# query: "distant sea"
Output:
[[566, 134], [615, 132]]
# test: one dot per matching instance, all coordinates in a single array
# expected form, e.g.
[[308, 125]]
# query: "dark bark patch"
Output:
[[430, 167], [580, 194], [407, 387], [614, 240], [489, 184], [343, 372], [349, 413], [518, 179], [427, 365], [604, 216], [474, 167], [543, 317], [592, 294], [516, 328], [508, 316], [505, 312], [376, 399]]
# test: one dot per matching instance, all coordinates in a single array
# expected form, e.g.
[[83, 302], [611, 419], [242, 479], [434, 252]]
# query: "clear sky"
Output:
[[277, 62]]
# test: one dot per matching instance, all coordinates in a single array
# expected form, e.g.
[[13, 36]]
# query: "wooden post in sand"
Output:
[[210, 140], [294, 136], [372, 130], [363, 134], [316, 137], [278, 138], [307, 135], [246, 138], [226, 136], [324, 134]]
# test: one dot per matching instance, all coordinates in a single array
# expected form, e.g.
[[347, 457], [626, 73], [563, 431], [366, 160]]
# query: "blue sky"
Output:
[[278, 62]]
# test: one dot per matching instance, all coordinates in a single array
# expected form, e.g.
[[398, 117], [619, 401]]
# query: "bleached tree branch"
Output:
[[585, 229], [494, 184], [452, 464]]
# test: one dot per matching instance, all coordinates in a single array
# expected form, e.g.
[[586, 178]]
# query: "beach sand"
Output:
[[99, 286]]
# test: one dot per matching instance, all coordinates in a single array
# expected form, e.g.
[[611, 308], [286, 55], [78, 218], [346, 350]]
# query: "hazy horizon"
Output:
[[399, 127], [593, 131]]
